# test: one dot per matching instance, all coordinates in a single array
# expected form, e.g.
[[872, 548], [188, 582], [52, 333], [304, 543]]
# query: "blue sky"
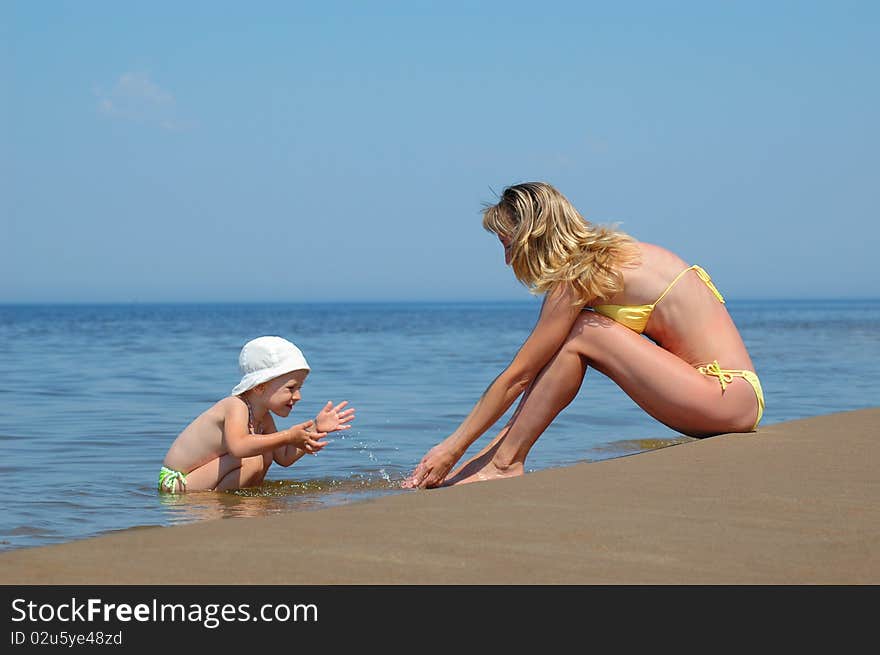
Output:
[[284, 151]]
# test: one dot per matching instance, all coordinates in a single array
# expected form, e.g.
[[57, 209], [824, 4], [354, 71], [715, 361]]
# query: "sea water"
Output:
[[92, 396]]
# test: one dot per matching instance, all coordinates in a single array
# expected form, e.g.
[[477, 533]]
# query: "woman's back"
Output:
[[687, 318]]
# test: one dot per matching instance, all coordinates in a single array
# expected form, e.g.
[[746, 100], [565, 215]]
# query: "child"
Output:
[[232, 444]]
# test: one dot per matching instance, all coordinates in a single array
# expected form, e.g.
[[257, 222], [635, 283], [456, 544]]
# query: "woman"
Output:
[[603, 290]]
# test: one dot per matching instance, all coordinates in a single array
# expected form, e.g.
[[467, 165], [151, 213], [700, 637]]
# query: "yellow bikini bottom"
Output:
[[725, 377]]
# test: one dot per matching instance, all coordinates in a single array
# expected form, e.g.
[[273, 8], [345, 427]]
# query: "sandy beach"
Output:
[[796, 503]]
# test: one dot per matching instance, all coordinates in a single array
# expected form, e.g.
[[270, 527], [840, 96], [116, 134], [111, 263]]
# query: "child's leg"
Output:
[[249, 474], [227, 472]]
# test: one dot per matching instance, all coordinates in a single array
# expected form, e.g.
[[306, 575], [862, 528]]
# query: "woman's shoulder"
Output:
[[659, 259]]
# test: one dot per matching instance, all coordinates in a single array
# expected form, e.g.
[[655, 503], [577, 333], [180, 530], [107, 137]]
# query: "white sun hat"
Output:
[[265, 358]]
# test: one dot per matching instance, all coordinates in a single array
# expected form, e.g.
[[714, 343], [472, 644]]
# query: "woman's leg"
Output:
[[668, 388], [556, 386]]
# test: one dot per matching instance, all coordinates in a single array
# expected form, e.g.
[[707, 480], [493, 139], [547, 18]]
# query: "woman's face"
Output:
[[505, 241]]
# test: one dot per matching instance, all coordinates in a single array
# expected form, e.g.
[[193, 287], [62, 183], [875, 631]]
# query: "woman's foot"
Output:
[[482, 468]]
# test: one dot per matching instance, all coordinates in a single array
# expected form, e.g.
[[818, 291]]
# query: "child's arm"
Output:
[[240, 443], [287, 455], [329, 419]]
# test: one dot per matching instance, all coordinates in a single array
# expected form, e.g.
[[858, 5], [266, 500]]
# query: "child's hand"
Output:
[[331, 419], [306, 437]]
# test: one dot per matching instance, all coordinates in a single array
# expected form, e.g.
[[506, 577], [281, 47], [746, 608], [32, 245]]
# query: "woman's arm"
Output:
[[557, 317]]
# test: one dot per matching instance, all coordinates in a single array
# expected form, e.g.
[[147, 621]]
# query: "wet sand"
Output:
[[796, 503]]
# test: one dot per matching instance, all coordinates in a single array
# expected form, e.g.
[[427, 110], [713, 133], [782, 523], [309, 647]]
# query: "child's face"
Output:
[[282, 393]]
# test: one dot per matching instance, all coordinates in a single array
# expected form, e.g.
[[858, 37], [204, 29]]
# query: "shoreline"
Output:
[[796, 503]]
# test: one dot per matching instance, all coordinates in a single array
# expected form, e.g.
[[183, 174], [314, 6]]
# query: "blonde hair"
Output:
[[551, 244]]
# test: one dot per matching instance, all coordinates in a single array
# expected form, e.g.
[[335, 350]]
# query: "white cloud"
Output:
[[135, 97]]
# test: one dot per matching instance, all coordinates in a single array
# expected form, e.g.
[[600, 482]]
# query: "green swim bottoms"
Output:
[[170, 480]]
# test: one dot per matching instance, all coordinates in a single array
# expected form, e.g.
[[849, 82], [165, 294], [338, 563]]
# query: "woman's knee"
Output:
[[589, 335], [748, 413]]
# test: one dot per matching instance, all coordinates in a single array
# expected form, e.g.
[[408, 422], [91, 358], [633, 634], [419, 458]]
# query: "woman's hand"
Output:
[[434, 467], [331, 419]]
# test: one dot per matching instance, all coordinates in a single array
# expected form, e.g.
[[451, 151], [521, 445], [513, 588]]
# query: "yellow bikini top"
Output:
[[635, 317]]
